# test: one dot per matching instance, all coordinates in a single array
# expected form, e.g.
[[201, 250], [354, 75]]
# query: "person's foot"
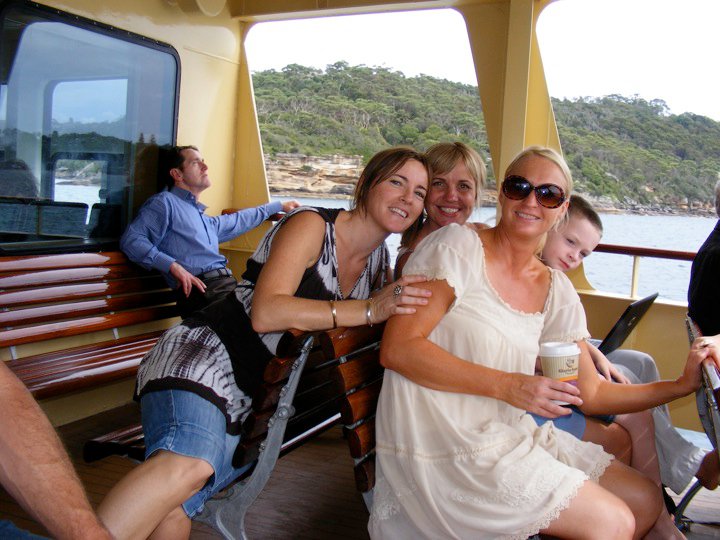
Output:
[[709, 471]]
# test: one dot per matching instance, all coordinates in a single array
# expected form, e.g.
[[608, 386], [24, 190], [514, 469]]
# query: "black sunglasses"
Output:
[[518, 188]]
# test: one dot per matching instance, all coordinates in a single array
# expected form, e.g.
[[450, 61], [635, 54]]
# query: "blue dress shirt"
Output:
[[172, 226]]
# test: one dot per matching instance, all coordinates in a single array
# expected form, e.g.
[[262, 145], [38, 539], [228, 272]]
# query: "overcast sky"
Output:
[[657, 49]]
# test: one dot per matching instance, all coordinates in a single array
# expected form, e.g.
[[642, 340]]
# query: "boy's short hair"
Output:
[[581, 207]]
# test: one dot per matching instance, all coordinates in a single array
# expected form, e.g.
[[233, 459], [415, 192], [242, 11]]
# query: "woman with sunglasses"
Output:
[[457, 454]]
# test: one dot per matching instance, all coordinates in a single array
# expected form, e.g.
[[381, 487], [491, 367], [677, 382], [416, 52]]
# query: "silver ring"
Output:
[[397, 291]]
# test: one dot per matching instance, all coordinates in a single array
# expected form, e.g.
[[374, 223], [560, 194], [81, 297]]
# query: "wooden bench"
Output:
[[298, 400], [358, 378], [47, 297], [315, 381]]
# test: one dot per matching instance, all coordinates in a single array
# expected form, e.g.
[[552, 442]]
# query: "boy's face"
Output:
[[568, 246]]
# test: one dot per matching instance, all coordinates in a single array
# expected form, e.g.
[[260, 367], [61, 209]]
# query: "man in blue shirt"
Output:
[[172, 234]]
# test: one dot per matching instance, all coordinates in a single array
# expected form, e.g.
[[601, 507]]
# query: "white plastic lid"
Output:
[[559, 348]]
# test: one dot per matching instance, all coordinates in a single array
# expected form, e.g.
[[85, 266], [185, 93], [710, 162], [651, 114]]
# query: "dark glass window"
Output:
[[78, 103]]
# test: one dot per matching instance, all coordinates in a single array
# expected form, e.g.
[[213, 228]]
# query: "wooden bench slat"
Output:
[[365, 474], [87, 378], [361, 439], [24, 263], [77, 354], [68, 275], [342, 341], [279, 369], [84, 308], [363, 367], [76, 327], [118, 441], [25, 297], [362, 403]]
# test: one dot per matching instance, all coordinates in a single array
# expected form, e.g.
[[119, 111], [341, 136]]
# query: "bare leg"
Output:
[[593, 514], [149, 496], [175, 525], [641, 428], [638, 492], [612, 437]]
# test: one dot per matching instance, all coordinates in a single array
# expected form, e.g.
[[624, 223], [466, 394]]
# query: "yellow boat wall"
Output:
[[217, 113]]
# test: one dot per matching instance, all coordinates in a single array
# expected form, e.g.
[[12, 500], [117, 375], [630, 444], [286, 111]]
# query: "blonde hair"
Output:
[[444, 156], [549, 154], [553, 156]]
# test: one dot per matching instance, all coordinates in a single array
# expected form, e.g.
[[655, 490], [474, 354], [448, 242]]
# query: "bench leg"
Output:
[[226, 512]]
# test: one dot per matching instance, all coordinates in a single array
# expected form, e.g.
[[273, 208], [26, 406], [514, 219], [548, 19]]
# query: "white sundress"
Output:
[[453, 465]]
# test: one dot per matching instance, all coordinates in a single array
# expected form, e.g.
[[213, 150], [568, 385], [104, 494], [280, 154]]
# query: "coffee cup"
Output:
[[560, 361]]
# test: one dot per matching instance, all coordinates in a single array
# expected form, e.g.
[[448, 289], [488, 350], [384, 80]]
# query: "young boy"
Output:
[[564, 250]]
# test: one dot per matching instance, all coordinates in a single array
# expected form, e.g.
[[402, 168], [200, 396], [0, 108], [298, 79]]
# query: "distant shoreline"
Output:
[[601, 206]]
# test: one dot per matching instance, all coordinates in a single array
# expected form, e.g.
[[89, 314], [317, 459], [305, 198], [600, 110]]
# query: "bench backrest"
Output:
[[315, 405], [46, 297], [358, 377], [51, 296]]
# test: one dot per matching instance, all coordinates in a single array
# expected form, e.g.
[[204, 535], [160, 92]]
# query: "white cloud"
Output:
[[430, 42], [657, 49]]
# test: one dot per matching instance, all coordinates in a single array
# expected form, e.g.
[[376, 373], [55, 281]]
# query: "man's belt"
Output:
[[213, 274]]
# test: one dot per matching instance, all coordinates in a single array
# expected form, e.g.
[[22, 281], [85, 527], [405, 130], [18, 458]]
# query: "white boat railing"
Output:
[[638, 253]]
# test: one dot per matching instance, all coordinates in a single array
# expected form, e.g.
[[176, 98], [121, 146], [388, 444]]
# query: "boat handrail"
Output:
[[646, 252], [637, 253]]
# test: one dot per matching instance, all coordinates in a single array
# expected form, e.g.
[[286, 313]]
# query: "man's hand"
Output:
[[186, 281], [288, 206]]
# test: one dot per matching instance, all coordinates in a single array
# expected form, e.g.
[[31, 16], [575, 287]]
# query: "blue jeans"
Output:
[[573, 423], [8, 531], [184, 423]]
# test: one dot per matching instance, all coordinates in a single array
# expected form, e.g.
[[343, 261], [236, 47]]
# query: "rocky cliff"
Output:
[[297, 175], [334, 177]]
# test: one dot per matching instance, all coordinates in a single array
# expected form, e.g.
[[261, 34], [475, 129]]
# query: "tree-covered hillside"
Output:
[[626, 149]]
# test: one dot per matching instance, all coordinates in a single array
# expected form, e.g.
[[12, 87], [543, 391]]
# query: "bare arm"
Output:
[[604, 366], [407, 350], [603, 397], [35, 469], [295, 248]]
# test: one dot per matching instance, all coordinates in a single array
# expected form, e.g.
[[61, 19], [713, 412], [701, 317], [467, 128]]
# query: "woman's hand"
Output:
[[703, 349], [399, 298], [535, 394]]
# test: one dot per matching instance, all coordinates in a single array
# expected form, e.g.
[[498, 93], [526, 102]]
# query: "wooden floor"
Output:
[[311, 494]]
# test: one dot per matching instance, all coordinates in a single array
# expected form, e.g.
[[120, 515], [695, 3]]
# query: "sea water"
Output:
[[610, 272]]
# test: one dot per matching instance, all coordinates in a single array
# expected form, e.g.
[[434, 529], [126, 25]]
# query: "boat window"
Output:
[[78, 104], [323, 111]]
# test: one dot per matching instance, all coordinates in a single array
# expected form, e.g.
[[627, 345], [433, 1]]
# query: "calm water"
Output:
[[606, 272], [612, 273]]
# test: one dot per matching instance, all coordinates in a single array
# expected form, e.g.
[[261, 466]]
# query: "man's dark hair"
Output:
[[170, 157]]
